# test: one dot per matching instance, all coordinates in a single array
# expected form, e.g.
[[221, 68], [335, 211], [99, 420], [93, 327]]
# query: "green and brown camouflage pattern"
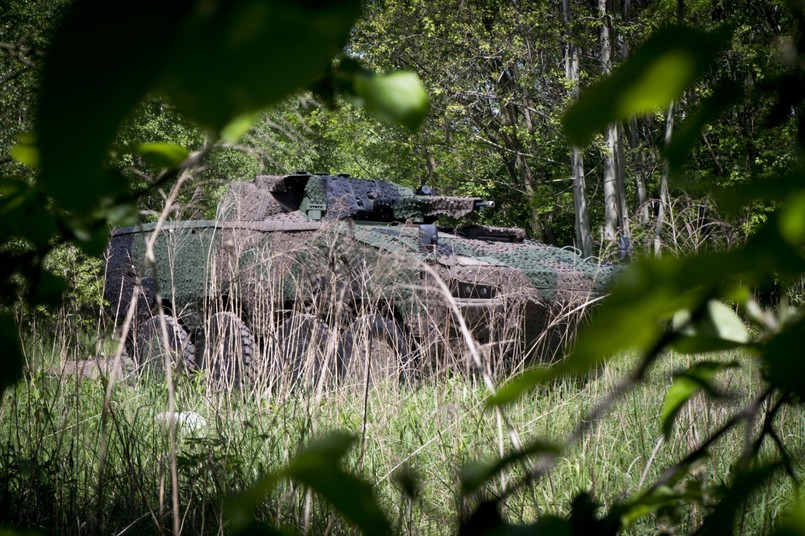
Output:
[[339, 245]]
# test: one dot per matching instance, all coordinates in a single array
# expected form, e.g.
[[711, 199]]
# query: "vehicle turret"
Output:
[[340, 197]]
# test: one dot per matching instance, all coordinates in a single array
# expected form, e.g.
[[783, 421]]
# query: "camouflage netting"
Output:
[[276, 251]]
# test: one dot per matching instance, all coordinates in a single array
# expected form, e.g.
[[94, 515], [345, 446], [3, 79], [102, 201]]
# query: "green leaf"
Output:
[[657, 73], [685, 386], [25, 151], [90, 235], [239, 509], [238, 126], [215, 61], [778, 188], [689, 133], [48, 288], [783, 361], [662, 497], [319, 467], [11, 358], [123, 215], [83, 102], [718, 328], [23, 213], [793, 521], [236, 58], [163, 155], [513, 389], [396, 98], [475, 475], [724, 516]]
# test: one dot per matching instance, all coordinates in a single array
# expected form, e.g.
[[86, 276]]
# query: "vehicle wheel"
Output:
[[225, 348], [375, 344], [150, 346], [303, 339]]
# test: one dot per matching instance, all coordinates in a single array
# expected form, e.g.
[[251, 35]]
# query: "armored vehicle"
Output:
[[306, 276]]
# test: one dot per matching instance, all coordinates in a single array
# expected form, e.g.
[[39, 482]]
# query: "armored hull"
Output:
[[298, 269]]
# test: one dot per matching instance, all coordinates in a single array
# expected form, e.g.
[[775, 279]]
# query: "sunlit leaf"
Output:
[[685, 386], [717, 328], [238, 126], [513, 389], [792, 522], [475, 475], [657, 73], [397, 98], [163, 155], [25, 154], [650, 292]]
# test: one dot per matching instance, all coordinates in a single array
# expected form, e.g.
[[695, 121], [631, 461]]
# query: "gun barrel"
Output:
[[484, 204]]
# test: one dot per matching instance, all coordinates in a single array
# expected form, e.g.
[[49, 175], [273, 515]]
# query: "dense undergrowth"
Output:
[[412, 443]]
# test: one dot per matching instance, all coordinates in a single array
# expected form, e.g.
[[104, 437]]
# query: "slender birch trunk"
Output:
[[581, 217], [664, 196], [611, 204]]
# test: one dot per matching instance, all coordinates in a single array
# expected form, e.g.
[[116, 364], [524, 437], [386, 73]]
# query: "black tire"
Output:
[[303, 341], [225, 348], [392, 354], [149, 345]]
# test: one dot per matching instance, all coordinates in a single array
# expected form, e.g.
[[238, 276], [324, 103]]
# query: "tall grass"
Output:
[[50, 427], [98, 455]]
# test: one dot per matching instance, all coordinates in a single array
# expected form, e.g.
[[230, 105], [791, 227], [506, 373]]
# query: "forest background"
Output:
[[711, 104], [499, 76]]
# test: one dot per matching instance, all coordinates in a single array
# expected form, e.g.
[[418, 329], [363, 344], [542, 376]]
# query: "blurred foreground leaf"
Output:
[[216, 60], [317, 466], [234, 58], [793, 522], [782, 359], [717, 328], [396, 98], [163, 155], [724, 516], [657, 73], [25, 151], [11, 369], [686, 385], [475, 475]]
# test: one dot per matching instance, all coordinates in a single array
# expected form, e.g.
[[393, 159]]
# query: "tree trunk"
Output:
[[620, 179], [640, 182], [664, 196], [581, 217], [611, 204]]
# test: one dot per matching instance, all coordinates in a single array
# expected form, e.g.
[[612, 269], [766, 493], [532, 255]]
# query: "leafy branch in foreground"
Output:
[[216, 61], [638, 315]]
